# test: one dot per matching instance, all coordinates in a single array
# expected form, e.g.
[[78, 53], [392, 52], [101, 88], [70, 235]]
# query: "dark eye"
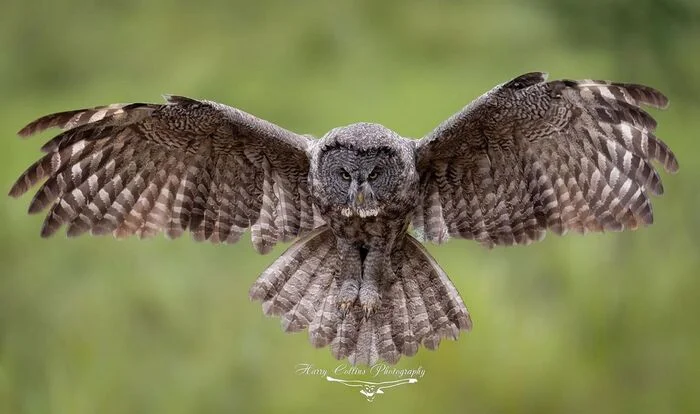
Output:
[[373, 175], [345, 175]]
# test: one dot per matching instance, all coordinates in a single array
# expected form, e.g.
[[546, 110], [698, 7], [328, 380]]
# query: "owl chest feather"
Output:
[[368, 231]]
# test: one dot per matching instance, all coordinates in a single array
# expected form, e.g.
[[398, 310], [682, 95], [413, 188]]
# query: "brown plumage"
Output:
[[560, 155], [525, 157], [185, 165]]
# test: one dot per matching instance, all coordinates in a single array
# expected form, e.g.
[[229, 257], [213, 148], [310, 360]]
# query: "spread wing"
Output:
[[182, 165], [531, 155]]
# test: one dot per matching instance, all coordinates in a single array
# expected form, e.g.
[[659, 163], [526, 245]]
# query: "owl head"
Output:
[[362, 169]]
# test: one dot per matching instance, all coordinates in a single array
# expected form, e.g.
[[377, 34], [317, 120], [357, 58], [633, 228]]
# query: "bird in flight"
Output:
[[526, 157]]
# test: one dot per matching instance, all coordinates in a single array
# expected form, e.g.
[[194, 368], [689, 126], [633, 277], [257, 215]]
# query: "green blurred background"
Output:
[[602, 323]]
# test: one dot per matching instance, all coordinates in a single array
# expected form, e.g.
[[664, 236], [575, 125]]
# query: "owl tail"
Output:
[[419, 304]]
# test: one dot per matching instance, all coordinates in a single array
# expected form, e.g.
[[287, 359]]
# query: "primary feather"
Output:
[[531, 155], [183, 165]]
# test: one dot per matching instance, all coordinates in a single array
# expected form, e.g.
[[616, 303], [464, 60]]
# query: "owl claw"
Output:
[[368, 311], [369, 299], [344, 307], [348, 295]]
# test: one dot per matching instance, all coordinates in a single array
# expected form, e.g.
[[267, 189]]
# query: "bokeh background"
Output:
[[601, 323]]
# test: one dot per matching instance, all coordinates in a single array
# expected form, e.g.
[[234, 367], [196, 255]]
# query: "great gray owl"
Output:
[[527, 156]]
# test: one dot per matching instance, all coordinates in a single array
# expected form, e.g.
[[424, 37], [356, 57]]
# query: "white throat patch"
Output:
[[362, 212]]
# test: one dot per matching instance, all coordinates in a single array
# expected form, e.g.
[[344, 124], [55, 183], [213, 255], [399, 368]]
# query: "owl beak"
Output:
[[360, 198], [362, 203]]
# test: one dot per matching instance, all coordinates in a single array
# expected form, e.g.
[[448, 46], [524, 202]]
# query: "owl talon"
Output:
[[348, 295], [344, 307], [368, 311], [369, 299]]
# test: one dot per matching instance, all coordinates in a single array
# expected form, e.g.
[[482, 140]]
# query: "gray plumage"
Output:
[[525, 157]]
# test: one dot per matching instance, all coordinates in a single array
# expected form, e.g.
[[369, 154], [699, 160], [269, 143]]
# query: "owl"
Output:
[[526, 157]]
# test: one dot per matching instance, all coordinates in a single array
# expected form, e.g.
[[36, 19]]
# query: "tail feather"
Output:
[[437, 301], [452, 301], [324, 327], [419, 304], [291, 293], [271, 280], [405, 313], [419, 317], [366, 350], [304, 312], [387, 346], [345, 341]]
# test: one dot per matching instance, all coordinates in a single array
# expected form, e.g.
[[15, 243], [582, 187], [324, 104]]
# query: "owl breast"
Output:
[[365, 230]]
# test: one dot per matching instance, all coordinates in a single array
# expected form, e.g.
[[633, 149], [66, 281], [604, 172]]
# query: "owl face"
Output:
[[358, 182]]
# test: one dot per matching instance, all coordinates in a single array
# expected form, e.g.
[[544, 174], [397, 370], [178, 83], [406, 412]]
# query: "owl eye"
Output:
[[373, 175], [345, 175]]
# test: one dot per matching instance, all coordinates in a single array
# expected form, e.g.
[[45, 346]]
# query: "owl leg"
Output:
[[373, 268], [376, 264], [350, 274]]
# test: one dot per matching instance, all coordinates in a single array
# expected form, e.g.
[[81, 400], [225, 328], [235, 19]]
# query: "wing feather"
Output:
[[530, 156], [184, 165]]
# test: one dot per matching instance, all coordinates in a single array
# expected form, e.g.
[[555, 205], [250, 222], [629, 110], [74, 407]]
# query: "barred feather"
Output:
[[419, 304], [185, 165], [530, 156], [527, 157]]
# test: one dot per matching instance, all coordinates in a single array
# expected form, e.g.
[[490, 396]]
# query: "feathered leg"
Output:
[[350, 274], [416, 302]]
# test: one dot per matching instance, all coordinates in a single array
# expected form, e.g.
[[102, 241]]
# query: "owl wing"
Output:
[[183, 165], [531, 155]]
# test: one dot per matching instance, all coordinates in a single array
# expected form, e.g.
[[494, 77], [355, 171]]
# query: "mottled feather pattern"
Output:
[[184, 165], [420, 306], [525, 158], [530, 156]]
